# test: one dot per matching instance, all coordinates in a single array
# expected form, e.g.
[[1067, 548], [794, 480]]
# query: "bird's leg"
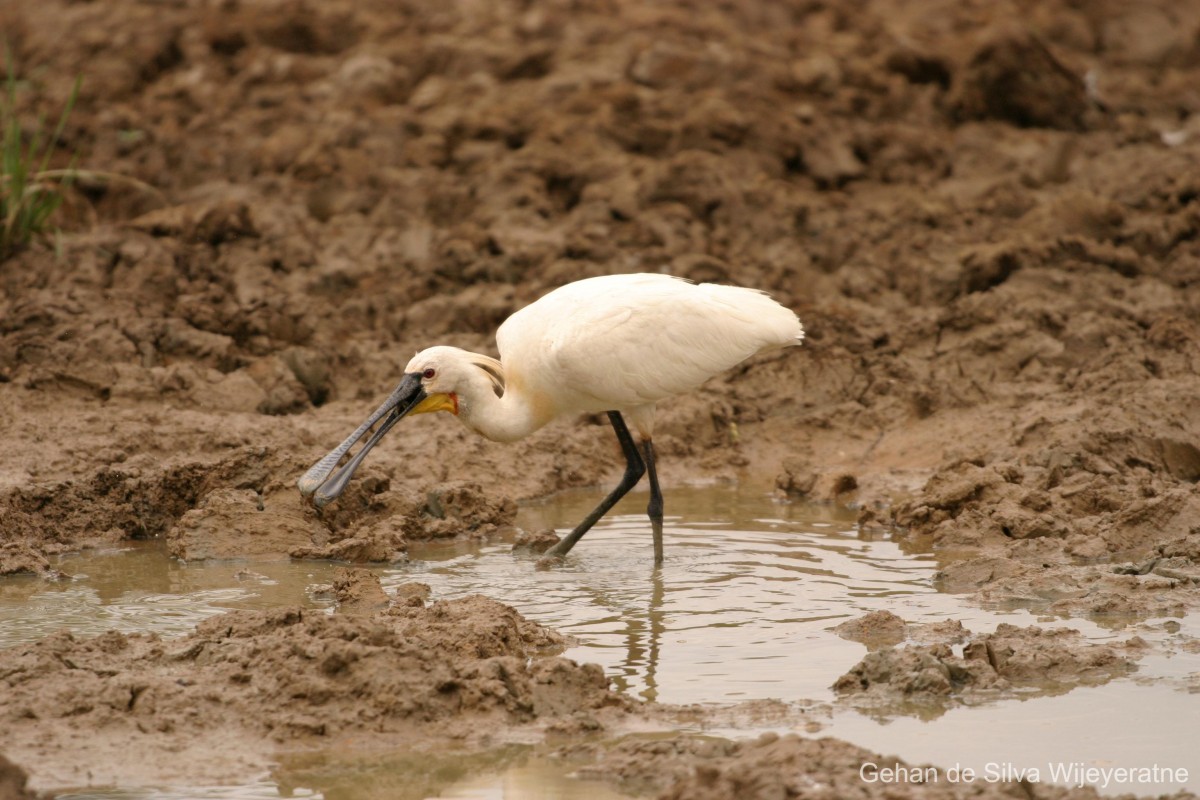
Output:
[[655, 509], [634, 469]]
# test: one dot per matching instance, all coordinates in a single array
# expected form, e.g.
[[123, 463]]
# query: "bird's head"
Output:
[[436, 379], [450, 376]]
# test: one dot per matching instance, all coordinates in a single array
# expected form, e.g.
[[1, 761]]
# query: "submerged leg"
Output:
[[634, 469], [655, 509]]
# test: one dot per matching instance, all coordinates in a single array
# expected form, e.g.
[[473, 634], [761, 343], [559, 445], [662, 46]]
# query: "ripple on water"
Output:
[[740, 610]]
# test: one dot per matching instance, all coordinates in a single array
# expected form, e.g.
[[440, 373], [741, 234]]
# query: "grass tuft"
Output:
[[29, 192]]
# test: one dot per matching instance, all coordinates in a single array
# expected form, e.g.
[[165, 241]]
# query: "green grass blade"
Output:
[[30, 193], [62, 123]]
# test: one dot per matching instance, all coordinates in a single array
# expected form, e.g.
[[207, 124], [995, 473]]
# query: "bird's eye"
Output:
[[429, 373]]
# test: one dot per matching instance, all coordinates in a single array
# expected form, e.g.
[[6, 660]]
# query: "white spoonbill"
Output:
[[616, 343]]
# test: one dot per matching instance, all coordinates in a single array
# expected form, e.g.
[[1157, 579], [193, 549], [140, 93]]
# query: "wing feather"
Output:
[[628, 340]]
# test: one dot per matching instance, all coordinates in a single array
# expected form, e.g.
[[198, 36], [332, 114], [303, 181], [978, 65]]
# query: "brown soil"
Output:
[[457, 670], [880, 629], [932, 677], [987, 215], [875, 630], [14, 782]]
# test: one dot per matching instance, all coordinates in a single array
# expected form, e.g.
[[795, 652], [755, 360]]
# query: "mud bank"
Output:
[[226, 697], [931, 677]]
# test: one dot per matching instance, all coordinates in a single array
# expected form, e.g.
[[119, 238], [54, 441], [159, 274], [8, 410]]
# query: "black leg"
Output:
[[634, 469], [655, 509]]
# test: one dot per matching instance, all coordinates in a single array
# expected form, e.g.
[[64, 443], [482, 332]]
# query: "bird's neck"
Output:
[[501, 419]]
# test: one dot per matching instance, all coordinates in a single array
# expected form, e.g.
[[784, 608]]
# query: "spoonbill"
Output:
[[617, 344]]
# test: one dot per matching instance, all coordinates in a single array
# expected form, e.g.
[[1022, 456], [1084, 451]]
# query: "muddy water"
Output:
[[741, 610], [138, 588], [511, 773]]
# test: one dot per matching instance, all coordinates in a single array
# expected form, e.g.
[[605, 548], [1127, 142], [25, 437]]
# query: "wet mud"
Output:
[[456, 670], [990, 667], [14, 782], [987, 216]]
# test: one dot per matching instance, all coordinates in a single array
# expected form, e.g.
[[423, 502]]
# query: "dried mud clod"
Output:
[[133, 498], [1032, 657], [358, 591], [877, 629], [19, 558], [241, 523], [1014, 77], [1178, 558], [1153, 586], [412, 593], [478, 627], [535, 542], [1070, 502], [461, 508], [372, 523]]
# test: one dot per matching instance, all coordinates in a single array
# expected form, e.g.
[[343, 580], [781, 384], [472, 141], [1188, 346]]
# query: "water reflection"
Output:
[[643, 640], [514, 772], [139, 589], [506, 773], [740, 609]]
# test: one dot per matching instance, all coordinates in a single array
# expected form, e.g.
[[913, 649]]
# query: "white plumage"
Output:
[[616, 343], [625, 342]]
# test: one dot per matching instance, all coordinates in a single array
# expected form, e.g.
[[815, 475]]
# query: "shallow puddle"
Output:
[[739, 610], [138, 588], [742, 609]]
